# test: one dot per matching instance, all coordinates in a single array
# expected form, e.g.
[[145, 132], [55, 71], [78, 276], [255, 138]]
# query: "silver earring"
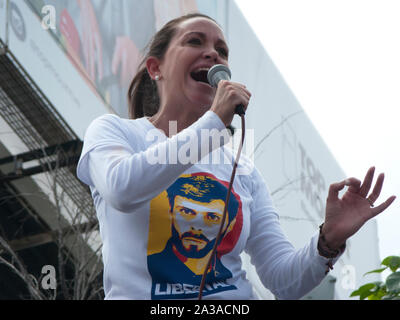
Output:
[[157, 77]]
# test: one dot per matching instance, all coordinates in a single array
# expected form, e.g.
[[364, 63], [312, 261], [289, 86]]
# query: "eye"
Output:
[[222, 51], [186, 211], [195, 41], [212, 217]]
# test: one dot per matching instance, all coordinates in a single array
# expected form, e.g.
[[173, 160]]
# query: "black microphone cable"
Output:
[[213, 252], [215, 74]]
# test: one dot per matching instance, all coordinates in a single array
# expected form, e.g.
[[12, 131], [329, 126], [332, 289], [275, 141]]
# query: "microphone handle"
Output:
[[239, 109]]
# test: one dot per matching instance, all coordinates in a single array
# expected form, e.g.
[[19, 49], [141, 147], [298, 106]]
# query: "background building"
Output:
[[63, 63]]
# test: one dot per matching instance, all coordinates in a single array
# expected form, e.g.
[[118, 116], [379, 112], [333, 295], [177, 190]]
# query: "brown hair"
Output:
[[143, 99]]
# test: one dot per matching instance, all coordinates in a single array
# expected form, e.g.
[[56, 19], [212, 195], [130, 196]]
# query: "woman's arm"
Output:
[[126, 177], [288, 273]]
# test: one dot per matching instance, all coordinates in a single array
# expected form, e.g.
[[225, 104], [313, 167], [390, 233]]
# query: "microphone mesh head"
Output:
[[217, 73]]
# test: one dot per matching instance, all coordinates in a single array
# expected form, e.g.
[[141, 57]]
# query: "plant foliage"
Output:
[[387, 290]]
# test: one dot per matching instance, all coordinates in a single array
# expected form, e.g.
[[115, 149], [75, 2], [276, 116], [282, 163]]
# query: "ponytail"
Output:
[[143, 96]]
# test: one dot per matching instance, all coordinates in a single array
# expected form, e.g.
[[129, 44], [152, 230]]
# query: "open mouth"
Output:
[[200, 76]]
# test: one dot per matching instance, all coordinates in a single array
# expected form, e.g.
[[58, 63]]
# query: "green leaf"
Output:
[[379, 285], [364, 291], [355, 293], [378, 294], [386, 261], [393, 262], [376, 271], [393, 282]]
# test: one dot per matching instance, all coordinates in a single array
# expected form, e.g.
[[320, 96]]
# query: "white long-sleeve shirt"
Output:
[[154, 247]]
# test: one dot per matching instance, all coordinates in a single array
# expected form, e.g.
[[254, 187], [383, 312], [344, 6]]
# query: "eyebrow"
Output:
[[203, 35], [196, 207]]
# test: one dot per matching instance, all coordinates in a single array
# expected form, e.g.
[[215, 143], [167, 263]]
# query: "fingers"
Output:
[[235, 87], [244, 90], [353, 184], [377, 188], [367, 182], [242, 94], [228, 96], [334, 189], [382, 207], [366, 186]]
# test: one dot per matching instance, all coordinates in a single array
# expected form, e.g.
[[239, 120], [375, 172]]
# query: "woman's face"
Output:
[[198, 44]]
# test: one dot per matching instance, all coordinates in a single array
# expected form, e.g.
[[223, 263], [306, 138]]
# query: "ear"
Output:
[[153, 67]]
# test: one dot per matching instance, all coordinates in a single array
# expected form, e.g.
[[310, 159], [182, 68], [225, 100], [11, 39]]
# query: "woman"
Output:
[[159, 215]]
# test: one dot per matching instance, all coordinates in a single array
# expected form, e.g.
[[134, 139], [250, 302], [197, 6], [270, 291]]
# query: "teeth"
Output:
[[202, 69], [200, 74]]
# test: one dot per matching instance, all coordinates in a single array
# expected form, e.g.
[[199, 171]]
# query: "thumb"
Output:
[[334, 189]]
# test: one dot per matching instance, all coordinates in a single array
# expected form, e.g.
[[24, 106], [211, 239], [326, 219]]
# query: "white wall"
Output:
[[294, 156]]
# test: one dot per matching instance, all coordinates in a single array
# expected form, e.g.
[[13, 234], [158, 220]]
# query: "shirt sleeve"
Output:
[[288, 273], [127, 176]]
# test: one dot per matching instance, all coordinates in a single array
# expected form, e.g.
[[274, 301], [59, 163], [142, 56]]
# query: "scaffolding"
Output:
[[37, 123], [53, 147]]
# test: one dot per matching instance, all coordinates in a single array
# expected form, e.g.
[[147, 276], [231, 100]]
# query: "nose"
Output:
[[196, 231], [211, 54], [196, 225]]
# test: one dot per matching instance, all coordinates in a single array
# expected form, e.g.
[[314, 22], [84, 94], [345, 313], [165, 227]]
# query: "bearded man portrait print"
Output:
[[184, 223]]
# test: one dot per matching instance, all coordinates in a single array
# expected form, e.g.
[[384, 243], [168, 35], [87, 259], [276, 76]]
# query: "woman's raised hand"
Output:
[[345, 216]]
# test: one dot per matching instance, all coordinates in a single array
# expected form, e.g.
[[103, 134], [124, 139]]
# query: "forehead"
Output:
[[212, 206], [199, 24]]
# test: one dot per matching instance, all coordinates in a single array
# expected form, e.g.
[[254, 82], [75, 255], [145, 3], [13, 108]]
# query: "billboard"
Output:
[[105, 40], [81, 45]]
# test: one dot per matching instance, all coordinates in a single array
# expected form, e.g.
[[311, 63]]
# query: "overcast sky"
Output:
[[341, 59]]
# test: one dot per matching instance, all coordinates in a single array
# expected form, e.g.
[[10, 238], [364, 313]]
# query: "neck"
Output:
[[183, 116]]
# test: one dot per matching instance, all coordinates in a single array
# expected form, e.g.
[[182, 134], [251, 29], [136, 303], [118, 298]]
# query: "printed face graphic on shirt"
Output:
[[184, 223], [195, 225]]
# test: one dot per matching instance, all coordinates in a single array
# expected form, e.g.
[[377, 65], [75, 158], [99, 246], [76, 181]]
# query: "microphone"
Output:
[[220, 72]]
